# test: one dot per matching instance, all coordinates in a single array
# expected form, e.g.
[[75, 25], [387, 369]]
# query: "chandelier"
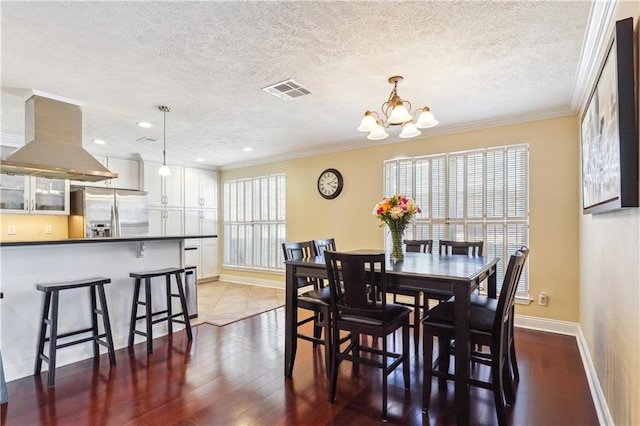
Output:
[[397, 112]]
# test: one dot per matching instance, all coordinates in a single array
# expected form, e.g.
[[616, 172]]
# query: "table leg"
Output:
[[492, 284], [462, 352], [291, 319]]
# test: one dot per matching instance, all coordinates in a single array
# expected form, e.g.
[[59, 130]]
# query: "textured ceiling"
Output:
[[468, 61]]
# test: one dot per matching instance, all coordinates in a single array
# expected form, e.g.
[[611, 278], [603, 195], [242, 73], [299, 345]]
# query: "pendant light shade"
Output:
[[164, 169]]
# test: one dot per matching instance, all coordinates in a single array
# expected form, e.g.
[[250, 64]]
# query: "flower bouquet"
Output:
[[396, 212]]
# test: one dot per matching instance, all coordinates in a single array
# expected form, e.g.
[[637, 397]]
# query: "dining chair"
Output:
[[472, 248], [490, 324], [322, 245], [314, 297], [353, 310]]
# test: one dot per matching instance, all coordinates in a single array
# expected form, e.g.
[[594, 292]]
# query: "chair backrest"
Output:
[[297, 251], [353, 278], [472, 248], [322, 245], [506, 300], [418, 246]]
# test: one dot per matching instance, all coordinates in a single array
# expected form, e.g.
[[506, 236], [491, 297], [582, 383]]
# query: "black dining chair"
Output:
[[321, 245], [491, 325], [313, 297], [351, 276], [471, 248]]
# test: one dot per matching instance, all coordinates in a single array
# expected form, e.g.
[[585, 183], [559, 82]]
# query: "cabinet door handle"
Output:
[[33, 205], [26, 204]]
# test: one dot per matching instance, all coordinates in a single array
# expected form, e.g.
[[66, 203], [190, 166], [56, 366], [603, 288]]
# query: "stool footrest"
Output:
[[71, 333], [75, 342]]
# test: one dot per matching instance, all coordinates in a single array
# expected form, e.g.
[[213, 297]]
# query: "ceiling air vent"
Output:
[[287, 90]]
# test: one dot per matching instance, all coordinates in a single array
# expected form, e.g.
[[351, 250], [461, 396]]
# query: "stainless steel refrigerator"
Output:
[[103, 212]]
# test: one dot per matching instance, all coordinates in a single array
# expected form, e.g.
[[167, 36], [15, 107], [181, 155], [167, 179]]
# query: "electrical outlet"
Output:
[[48, 229], [11, 230], [543, 299]]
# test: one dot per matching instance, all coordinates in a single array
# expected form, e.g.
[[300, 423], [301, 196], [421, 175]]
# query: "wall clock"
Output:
[[330, 184]]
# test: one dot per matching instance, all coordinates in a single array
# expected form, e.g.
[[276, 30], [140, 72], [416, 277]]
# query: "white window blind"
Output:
[[255, 222], [478, 195]]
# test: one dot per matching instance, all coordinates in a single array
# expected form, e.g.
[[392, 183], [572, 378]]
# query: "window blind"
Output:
[[255, 222], [477, 195]]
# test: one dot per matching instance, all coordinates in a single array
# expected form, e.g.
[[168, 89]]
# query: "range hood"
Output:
[[53, 131]]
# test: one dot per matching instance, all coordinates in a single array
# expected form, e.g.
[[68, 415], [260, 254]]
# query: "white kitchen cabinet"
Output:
[[167, 222], [203, 254], [33, 195], [200, 188], [200, 222], [164, 190], [128, 174]]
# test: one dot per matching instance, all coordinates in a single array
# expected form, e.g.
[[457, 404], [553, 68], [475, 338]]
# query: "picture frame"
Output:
[[609, 139]]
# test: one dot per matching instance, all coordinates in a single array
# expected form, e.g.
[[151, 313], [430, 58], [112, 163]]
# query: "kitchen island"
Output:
[[27, 263]]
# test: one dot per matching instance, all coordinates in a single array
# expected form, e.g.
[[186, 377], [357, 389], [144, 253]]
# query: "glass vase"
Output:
[[397, 252]]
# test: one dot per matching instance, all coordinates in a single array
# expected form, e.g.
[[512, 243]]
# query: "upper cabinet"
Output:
[[164, 191], [128, 174], [200, 188], [33, 195]]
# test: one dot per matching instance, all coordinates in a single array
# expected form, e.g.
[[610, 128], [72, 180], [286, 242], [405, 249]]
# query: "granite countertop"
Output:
[[101, 240]]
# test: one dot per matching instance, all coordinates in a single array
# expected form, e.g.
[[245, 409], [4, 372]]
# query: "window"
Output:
[[255, 222], [469, 196]]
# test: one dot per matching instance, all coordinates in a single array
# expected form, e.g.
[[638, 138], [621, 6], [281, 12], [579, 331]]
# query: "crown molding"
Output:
[[599, 30], [354, 144]]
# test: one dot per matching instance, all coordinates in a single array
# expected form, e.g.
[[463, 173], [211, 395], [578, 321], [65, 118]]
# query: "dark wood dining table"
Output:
[[457, 274]]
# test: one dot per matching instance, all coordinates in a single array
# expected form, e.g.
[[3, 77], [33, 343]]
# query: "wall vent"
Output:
[[287, 90]]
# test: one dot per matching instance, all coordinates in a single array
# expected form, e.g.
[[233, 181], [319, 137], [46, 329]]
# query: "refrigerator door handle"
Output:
[[117, 217]]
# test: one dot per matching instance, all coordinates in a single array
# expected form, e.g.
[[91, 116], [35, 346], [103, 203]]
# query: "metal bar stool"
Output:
[[50, 319], [149, 314]]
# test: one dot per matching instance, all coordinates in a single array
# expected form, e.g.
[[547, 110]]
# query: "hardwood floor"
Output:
[[233, 375]]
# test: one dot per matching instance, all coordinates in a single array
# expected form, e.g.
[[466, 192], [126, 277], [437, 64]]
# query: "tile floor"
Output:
[[221, 303]]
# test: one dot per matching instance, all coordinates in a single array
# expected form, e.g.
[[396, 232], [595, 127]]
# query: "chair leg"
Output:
[[444, 354], [328, 341], [427, 361], [497, 380], [107, 325], [317, 327], [416, 321], [405, 355], [43, 332], [53, 340], [134, 310], [385, 372], [513, 360], [149, 311], [335, 363]]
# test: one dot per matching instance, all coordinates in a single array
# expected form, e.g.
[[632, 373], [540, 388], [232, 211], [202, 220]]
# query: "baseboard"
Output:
[[236, 279], [573, 329]]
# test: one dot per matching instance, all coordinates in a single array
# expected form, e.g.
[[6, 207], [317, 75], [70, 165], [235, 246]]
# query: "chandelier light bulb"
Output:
[[378, 134], [409, 130], [399, 115], [368, 122], [164, 170], [426, 119]]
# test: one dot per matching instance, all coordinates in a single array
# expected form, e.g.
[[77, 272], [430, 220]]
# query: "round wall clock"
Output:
[[330, 184]]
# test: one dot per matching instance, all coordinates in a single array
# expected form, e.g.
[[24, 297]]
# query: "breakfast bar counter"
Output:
[[27, 263]]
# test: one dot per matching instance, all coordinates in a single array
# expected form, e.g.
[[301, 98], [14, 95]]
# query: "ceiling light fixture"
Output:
[[164, 169], [99, 141], [396, 113], [247, 149], [144, 124]]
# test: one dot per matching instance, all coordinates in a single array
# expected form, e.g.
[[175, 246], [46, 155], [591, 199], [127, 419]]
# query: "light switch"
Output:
[[11, 230], [48, 229]]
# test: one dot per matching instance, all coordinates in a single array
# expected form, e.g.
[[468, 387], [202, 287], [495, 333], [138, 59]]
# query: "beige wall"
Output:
[[31, 227], [610, 295], [553, 194]]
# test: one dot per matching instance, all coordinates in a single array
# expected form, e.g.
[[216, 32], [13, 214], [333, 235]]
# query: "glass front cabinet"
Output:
[[33, 195]]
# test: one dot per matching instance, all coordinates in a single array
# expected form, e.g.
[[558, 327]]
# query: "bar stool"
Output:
[[148, 315], [50, 318]]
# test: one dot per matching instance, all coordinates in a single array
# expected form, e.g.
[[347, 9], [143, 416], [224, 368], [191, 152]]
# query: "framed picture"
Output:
[[609, 138]]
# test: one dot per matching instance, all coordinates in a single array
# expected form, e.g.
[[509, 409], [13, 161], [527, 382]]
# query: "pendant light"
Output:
[[164, 169]]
